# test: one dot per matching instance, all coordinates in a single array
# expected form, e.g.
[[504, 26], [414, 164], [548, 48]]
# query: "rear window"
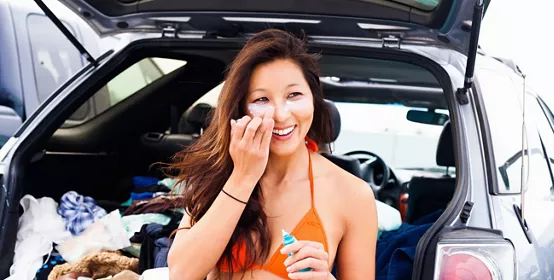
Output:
[[426, 5]]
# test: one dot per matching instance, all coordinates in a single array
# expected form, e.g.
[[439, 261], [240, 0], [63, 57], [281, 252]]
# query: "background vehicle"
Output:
[[382, 52], [36, 58]]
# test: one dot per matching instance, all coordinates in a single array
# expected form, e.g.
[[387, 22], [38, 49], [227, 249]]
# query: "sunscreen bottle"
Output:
[[289, 239]]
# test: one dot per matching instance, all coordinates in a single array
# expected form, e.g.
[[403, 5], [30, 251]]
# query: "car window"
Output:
[[504, 114], [426, 5], [392, 140], [139, 76], [129, 82], [538, 119], [55, 59]]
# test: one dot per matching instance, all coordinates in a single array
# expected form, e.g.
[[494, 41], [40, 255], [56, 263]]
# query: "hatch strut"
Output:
[[66, 32], [472, 53]]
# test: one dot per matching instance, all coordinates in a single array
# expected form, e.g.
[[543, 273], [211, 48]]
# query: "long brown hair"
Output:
[[205, 167]]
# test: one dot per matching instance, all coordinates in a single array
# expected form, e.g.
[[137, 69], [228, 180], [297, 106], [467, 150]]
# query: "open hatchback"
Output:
[[418, 56]]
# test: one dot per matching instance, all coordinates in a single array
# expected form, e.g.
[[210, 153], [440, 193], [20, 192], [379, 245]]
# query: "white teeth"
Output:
[[283, 131]]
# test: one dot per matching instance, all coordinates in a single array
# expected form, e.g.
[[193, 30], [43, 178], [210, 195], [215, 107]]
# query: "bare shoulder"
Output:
[[346, 201], [350, 189]]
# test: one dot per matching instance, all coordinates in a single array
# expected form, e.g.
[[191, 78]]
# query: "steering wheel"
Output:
[[369, 163]]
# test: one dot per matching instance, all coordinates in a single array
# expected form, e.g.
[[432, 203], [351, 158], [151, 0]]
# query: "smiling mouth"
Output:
[[284, 132]]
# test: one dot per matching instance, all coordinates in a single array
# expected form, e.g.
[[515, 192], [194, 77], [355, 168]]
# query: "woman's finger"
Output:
[[307, 252], [257, 141], [296, 246], [310, 262], [237, 128], [250, 131]]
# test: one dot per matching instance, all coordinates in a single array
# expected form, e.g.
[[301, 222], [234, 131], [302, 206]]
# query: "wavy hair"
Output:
[[205, 167]]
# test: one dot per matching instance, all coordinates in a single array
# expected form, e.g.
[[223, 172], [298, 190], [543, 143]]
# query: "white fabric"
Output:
[[388, 218], [107, 233], [39, 227], [161, 273]]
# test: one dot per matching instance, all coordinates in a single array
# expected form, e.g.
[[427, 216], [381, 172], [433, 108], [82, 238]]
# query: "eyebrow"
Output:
[[262, 89]]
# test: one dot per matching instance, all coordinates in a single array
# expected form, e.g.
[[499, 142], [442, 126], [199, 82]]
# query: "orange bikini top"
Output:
[[309, 228]]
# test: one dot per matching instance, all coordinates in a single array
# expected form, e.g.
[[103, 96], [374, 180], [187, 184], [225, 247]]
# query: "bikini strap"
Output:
[[311, 176], [312, 146]]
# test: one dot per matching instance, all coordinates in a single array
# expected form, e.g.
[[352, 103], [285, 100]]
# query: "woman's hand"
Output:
[[307, 254], [249, 148]]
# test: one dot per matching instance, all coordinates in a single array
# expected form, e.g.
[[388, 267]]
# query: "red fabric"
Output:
[[312, 145]]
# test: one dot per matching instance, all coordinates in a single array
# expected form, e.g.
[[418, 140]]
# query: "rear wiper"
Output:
[[66, 32]]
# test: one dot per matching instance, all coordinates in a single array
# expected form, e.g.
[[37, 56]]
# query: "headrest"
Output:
[[335, 120], [199, 116], [445, 147]]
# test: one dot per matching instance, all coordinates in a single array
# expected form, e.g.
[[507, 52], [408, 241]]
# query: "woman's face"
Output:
[[281, 84]]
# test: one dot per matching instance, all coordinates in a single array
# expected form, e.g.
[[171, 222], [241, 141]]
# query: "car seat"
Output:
[[194, 121], [428, 194], [350, 164]]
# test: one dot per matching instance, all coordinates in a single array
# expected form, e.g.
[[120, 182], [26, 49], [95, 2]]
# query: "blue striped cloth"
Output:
[[79, 211]]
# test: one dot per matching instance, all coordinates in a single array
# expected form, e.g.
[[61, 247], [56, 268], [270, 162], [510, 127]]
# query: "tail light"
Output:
[[473, 259]]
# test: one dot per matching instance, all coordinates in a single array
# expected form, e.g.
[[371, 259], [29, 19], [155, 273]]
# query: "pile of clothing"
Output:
[[81, 237]]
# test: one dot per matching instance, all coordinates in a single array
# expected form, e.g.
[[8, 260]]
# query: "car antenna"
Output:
[[524, 147]]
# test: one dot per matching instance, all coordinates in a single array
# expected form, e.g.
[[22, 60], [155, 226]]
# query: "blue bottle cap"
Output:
[[287, 238]]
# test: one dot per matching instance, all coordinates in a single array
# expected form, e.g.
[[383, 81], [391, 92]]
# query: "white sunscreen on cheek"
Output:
[[293, 105], [258, 110]]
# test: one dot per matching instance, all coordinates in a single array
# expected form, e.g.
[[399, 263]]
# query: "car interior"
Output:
[[96, 156]]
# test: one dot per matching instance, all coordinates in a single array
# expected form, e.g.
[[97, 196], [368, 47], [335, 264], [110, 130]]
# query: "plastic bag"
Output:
[[107, 233]]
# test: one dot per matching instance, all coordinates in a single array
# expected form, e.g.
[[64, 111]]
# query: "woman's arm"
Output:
[[195, 252], [356, 253]]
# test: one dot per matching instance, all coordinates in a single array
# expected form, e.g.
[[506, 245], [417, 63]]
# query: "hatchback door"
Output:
[[444, 23]]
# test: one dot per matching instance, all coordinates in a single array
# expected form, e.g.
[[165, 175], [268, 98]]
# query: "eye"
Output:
[[261, 100], [294, 94]]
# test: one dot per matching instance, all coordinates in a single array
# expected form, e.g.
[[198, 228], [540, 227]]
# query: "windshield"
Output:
[[384, 130]]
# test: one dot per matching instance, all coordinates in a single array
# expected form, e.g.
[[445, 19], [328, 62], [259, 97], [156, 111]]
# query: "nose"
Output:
[[282, 112]]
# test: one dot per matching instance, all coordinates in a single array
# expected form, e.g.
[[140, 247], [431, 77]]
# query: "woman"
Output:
[[256, 171]]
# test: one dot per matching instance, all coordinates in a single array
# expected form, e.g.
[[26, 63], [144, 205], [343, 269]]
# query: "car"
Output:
[[37, 47], [34, 45], [450, 136]]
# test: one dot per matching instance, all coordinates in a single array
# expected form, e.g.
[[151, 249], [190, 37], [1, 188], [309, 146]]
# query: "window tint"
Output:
[[138, 76], [55, 59], [426, 5], [129, 82]]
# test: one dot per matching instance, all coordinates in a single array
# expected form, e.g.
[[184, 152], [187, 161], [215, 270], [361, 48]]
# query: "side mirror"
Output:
[[10, 121], [427, 117]]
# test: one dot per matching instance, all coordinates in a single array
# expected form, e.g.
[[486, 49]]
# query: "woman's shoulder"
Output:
[[342, 183]]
